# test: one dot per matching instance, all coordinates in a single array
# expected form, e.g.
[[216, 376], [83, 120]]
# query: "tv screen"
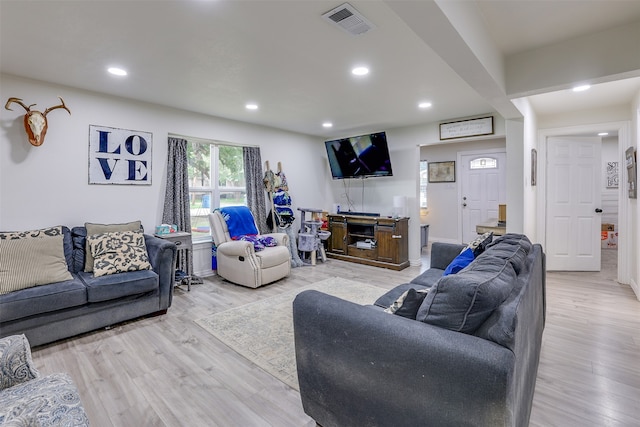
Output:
[[359, 156]]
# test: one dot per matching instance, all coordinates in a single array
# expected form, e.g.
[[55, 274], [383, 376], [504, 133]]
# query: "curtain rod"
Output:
[[208, 141]]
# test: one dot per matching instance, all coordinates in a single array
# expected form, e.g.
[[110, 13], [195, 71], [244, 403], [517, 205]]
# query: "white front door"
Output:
[[573, 201], [483, 188]]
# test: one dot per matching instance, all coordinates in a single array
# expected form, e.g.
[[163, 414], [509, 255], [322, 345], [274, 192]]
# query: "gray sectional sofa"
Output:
[[51, 312], [469, 358]]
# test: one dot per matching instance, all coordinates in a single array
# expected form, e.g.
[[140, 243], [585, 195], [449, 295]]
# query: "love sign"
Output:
[[119, 156]]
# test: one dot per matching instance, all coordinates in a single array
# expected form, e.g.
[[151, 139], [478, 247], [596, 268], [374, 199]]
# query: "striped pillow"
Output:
[[32, 261]]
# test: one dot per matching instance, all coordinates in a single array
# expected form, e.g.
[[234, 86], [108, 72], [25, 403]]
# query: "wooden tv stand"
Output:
[[377, 241]]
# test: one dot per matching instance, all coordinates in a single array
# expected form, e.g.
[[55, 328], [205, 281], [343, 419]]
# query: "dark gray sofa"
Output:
[[60, 310], [360, 366]]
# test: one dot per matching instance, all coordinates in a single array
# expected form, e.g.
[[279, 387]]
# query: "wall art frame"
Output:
[[534, 167], [612, 175], [442, 171], [119, 156], [632, 172], [466, 128]]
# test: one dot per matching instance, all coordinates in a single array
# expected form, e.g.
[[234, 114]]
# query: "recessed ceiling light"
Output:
[[117, 71], [251, 106], [603, 134], [327, 125], [424, 105], [581, 88], [360, 71]]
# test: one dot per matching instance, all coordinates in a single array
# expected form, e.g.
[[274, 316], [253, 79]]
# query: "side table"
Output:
[[182, 240], [493, 225]]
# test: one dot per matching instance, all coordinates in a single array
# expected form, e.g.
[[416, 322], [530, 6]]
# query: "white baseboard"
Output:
[[635, 287]]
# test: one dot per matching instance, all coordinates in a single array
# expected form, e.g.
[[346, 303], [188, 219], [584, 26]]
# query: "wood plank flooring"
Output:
[[167, 371]]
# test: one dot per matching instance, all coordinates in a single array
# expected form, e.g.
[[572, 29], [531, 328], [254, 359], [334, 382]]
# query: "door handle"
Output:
[[464, 205], [598, 210]]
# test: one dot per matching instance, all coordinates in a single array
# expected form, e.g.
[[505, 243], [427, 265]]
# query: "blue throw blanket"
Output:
[[239, 221]]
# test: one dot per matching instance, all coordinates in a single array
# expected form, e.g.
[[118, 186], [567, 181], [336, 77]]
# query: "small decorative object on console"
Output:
[[166, 229]]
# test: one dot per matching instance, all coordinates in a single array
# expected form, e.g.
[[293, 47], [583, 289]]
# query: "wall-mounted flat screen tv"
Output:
[[359, 156]]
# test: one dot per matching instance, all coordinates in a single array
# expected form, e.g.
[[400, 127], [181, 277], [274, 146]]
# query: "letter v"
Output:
[[106, 170]]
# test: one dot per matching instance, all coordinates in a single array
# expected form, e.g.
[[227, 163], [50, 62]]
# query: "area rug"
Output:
[[263, 331]]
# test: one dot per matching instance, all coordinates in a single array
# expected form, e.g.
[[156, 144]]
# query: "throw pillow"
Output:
[[44, 232], [461, 261], [462, 302], [32, 261], [408, 303], [479, 244], [17, 366], [257, 244], [268, 241], [105, 228], [118, 252]]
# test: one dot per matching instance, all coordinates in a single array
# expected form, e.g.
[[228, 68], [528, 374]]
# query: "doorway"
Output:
[[574, 206], [620, 132], [482, 188]]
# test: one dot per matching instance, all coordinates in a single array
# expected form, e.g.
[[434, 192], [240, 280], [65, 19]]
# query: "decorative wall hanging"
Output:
[[534, 167], [632, 172], [119, 156], [35, 122], [442, 171], [612, 175], [466, 128]]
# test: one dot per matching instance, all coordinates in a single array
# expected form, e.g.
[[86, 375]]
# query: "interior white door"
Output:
[[573, 203], [483, 188]]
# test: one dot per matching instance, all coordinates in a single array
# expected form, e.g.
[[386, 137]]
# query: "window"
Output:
[[483, 163], [424, 180], [216, 179]]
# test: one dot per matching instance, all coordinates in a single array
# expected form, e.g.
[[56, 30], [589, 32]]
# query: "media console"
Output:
[[377, 241]]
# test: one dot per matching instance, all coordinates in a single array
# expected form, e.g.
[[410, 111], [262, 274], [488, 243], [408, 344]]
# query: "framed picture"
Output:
[[534, 167], [119, 156], [632, 173], [442, 171], [466, 128], [612, 175]]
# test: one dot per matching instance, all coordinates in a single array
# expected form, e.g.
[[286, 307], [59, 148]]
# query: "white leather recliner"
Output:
[[238, 262]]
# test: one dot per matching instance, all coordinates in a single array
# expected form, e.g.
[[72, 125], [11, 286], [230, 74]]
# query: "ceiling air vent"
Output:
[[349, 19]]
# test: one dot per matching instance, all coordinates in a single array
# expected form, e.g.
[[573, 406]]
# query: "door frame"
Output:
[[624, 142], [459, 180]]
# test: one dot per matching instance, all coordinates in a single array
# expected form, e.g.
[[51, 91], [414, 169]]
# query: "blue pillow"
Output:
[[459, 262]]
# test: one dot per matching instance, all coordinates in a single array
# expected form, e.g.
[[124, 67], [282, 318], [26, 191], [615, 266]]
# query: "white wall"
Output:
[[442, 199], [634, 213], [48, 185], [529, 191], [404, 149]]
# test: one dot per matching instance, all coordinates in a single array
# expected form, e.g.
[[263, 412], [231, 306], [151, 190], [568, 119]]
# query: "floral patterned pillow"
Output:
[[118, 252]]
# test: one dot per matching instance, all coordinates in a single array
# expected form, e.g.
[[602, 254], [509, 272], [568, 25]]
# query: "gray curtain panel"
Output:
[[255, 187], [176, 199]]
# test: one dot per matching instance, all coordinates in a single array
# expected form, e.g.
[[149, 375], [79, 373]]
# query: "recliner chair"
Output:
[[240, 263]]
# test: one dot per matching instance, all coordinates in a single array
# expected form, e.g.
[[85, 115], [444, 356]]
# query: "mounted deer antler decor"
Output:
[[35, 122]]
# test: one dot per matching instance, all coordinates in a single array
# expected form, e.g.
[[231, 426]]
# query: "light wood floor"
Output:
[[167, 371]]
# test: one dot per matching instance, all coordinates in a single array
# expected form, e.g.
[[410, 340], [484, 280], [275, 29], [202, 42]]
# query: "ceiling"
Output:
[[214, 56]]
